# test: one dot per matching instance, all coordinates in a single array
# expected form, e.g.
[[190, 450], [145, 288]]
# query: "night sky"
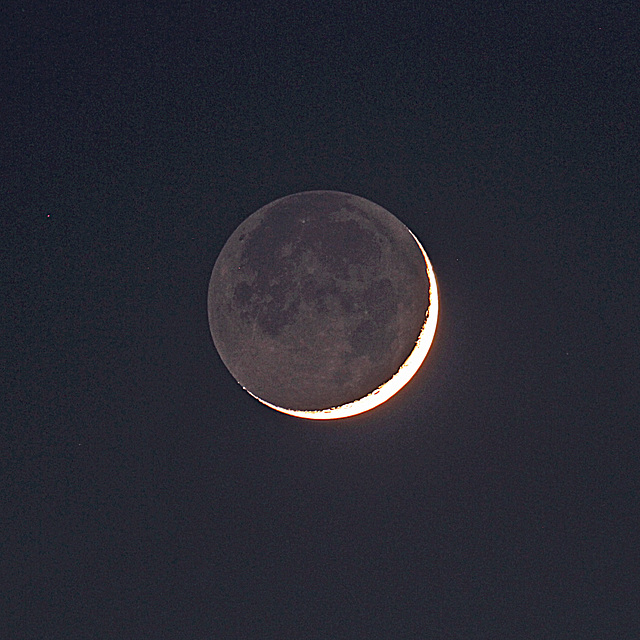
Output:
[[144, 494]]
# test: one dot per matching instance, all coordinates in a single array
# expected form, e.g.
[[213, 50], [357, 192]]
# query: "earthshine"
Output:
[[323, 305]]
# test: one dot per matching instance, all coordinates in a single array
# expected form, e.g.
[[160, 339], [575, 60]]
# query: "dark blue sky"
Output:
[[145, 495]]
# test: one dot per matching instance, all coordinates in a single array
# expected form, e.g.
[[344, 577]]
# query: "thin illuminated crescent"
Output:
[[398, 380]]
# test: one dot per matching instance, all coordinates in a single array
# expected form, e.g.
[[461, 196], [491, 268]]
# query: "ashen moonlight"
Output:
[[322, 304]]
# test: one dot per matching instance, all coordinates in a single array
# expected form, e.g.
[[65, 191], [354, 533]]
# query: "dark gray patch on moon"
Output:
[[317, 299]]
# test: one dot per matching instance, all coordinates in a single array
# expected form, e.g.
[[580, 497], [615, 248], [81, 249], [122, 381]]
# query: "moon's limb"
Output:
[[399, 379]]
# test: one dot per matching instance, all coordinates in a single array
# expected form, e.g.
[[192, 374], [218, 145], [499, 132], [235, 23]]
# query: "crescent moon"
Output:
[[401, 377]]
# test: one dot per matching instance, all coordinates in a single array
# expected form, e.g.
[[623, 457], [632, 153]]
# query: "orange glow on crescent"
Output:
[[399, 379]]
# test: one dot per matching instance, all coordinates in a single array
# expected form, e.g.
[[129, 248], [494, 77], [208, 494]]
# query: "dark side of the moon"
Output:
[[317, 299]]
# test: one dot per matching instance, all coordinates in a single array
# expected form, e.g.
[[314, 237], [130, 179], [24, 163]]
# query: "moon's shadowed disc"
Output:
[[317, 299]]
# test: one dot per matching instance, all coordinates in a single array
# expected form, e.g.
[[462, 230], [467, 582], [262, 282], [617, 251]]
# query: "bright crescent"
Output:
[[398, 380]]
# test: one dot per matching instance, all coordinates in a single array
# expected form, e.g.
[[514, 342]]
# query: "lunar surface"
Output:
[[322, 304]]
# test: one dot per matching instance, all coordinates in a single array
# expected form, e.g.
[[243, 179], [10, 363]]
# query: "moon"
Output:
[[322, 304]]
